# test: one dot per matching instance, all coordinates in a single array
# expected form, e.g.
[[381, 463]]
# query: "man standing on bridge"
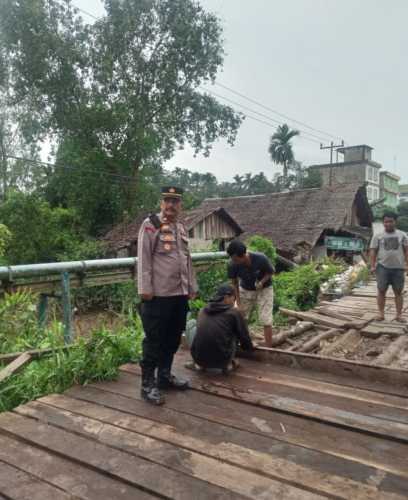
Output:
[[389, 260], [166, 281]]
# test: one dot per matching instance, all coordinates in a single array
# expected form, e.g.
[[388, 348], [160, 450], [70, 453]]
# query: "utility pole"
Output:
[[332, 147]]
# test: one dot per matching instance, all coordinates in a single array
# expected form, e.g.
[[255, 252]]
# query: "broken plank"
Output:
[[14, 366], [314, 318], [234, 454], [117, 432], [34, 353], [148, 476]]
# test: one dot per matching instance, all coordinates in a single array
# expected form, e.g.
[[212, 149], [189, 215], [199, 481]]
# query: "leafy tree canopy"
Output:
[[119, 95]]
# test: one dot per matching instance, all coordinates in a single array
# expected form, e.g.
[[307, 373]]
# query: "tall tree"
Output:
[[280, 148], [124, 92]]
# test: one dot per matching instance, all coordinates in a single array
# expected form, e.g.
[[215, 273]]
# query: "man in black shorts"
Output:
[[389, 260]]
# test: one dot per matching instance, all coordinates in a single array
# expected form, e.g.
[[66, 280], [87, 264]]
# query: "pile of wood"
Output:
[[348, 325]]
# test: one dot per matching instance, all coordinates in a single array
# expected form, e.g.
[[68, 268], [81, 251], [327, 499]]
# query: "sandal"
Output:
[[193, 366]]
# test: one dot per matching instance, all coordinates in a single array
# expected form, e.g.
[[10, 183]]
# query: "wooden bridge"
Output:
[[286, 425]]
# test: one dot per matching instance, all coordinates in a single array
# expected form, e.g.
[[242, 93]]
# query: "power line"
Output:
[[264, 116], [274, 111], [116, 177]]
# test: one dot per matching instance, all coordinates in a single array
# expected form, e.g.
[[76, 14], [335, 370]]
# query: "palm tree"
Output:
[[280, 147]]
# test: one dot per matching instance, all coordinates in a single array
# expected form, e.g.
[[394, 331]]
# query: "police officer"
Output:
[[165, 283]]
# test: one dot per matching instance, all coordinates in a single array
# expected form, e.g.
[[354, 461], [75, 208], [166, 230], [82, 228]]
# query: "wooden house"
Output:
[[205, 227]]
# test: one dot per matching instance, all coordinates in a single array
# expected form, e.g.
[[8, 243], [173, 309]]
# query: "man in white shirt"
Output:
[[389, 260]]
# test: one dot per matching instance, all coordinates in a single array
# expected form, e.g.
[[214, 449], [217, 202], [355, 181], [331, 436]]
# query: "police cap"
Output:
[[172, 192]]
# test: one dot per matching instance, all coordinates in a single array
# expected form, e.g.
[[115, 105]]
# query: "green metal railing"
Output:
[[56, 279]]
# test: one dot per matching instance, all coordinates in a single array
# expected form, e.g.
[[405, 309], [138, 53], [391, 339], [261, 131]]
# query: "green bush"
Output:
[[299, 289], [211, 279], [94, 359], [19, 329], [263, 245]]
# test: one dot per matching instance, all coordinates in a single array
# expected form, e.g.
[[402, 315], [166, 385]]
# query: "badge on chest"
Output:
[[167, 237]]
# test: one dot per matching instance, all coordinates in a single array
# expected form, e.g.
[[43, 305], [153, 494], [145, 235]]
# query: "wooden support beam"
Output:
[[15, 365], [318, 319], [392, 351], [315, 341]]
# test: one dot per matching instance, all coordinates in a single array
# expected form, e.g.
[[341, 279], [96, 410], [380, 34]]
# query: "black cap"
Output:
[[171, 192], [222, 291]]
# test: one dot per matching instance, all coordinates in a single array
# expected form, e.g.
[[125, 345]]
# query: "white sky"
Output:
[[337, 65]]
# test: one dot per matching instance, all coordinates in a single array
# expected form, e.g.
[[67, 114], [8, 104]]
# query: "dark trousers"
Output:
[[164, 320]]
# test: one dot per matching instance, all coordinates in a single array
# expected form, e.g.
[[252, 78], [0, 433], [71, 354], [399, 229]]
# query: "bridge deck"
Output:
[[267, 431]]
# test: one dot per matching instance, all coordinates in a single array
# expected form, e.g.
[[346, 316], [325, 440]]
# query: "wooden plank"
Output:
[[14, 366], [227, 452], [392, 351], [314, 342], [34, 353], [349, 341], [148, 476], [318, 319], [287, 381], [389, 456], [346, 372], [65, 474], [120, 433], [16, 484], [214, 432], [298, 407]]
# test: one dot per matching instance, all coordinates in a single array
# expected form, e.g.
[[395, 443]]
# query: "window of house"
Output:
[[369, 173], [375, 174], [370, 193]]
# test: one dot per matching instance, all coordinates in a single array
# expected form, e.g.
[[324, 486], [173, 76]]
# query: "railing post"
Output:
[[66, 307], [42, 310]]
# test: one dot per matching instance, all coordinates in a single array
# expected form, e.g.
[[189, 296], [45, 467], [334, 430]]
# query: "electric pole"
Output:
[[331, 147]]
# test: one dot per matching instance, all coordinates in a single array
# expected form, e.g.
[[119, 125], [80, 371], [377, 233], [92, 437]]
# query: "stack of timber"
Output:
[[267, 431], [348, 328]]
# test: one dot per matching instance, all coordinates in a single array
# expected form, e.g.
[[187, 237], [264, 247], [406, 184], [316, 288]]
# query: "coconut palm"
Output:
[[280, 147]]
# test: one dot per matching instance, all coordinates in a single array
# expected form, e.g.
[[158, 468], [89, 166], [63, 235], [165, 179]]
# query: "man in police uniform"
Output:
[[165, 283]]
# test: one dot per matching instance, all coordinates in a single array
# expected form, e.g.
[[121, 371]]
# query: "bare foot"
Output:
[[400, 319], [379, 318]]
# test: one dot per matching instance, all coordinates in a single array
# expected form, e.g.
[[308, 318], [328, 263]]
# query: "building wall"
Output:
[[355, 173], [212, 228]]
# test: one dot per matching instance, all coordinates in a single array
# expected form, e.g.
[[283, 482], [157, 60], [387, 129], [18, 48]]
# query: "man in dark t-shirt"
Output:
[[251, 274]]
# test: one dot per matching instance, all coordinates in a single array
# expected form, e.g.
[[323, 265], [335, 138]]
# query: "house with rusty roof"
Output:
[[299, 222]]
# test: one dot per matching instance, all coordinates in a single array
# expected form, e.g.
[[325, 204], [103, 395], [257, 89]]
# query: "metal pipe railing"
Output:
[[10, 273], [81, 266]]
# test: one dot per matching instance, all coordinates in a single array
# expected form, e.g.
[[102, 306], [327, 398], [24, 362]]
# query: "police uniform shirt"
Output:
[[164, 267]]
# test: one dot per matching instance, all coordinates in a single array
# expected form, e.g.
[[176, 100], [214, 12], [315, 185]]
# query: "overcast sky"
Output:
[[338, 66]]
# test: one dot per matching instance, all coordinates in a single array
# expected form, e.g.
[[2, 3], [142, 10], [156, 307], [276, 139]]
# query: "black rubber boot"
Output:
[[168, 381], [149, 390]]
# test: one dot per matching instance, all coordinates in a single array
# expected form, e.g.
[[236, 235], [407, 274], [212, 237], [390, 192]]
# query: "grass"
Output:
[[95, 358]]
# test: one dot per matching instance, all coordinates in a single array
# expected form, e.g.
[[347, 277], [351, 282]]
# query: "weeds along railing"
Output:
[[56, 279]]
